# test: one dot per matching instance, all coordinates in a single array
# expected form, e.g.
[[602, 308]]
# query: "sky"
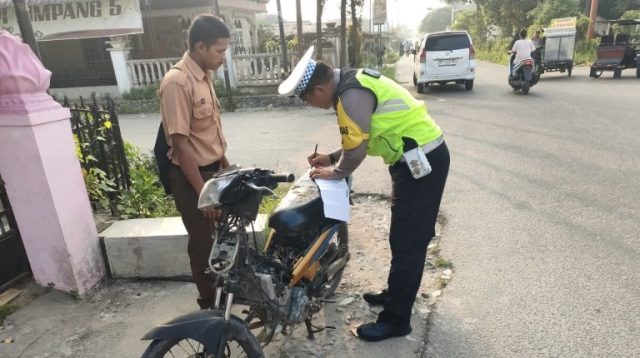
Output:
[[406, 12]]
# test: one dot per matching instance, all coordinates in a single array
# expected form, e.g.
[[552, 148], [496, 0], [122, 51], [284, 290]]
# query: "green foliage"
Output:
[[473, 23], [494, 50], [631, 14], [391, 57], [436, 20], [582, 26], [389, 71], [148, 92], [552, 9], [614, 9], [509, 15], [270, 202], [6, 310], [444, 263], [586, 51], [146, 197]]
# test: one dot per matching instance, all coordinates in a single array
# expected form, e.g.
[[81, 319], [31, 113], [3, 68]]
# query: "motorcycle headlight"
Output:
[[213, 190]]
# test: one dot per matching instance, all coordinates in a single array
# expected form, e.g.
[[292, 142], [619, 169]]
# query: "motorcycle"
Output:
[[281, 283], [524, 74]]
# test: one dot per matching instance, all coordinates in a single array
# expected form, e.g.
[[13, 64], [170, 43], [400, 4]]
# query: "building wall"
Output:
[[75, 63]]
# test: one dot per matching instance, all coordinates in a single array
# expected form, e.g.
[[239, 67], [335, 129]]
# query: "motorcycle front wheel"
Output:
[[184, 348]]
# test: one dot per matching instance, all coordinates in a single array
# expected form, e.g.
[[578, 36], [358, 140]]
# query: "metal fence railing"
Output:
[[97, 130]]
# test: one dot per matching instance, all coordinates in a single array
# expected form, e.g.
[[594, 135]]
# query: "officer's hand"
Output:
[[318, 160], [321, 173], [211, 213]]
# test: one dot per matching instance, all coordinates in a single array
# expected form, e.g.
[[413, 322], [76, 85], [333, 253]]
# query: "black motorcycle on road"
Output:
[[524, 73], [276, 285]]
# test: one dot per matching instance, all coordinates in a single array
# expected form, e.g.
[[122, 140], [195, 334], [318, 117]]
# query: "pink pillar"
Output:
[[42, 174]]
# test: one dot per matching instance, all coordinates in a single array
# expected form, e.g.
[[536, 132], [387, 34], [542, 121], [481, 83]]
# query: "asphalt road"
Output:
[[543, 213], [542, 208]]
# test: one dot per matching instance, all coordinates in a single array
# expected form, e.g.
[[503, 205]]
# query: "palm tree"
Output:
[[283, 41], [355, 25], [319, 6], [343, 33], [299, 29]]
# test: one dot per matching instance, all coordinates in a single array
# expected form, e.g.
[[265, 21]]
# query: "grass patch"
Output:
[[6, 310], [435, 250], [389, 71], [443, 263], [442, 283], [270, 202]]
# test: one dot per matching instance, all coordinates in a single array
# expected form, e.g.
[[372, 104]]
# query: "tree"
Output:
[[299, 29], [436, 20], [354, 49], [319, 6], [343, 33], [552, 9], [510, 15], [613, 9], [283, 43], [473, 22]]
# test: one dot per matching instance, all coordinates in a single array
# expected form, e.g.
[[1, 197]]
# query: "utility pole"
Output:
[[26, 30], [592, 18], [227, 83]]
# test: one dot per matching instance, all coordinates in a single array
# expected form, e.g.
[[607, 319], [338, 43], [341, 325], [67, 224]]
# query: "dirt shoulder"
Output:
[[112, 318], [367, 271]]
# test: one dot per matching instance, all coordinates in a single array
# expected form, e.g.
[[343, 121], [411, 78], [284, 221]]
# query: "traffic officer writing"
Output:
[[378, 117]]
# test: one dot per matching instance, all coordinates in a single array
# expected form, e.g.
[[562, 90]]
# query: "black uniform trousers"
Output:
[[199, 229], [414, 211]]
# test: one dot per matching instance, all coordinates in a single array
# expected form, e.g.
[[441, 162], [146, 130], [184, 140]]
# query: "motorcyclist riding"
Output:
[[522, 49]]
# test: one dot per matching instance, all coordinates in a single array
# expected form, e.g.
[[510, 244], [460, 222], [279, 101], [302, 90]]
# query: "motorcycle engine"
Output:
[[292, 303]]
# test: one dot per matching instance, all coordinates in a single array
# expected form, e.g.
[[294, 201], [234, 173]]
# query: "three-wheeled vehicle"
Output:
[[618, 51], [558, 50]]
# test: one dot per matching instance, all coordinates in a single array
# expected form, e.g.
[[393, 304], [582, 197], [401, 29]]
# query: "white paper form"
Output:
[[335, 197]]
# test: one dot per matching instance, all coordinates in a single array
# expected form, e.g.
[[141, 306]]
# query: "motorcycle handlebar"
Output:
[[282, 178]]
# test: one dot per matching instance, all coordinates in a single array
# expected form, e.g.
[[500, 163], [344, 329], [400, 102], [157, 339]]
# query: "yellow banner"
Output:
[[563, 22]]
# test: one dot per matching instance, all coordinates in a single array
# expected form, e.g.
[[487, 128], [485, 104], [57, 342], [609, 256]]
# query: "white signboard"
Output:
[[380, 12], [64, 19]]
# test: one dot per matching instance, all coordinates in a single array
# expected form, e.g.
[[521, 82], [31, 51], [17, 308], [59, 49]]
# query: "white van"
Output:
[[442, 57]]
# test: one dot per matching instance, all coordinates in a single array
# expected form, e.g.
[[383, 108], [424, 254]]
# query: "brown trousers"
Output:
[[199, 229]]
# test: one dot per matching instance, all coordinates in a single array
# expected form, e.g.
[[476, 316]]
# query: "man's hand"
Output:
[[211, 213], [321, 173], [319, 160]]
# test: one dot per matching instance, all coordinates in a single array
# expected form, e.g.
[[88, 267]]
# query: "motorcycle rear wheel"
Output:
[[192, 348], [332, 284], [525, 87]]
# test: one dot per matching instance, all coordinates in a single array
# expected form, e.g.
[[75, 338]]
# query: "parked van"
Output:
[[443, 57]]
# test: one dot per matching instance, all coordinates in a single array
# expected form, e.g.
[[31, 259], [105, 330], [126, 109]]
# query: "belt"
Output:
[[213, 167], [429, 147]]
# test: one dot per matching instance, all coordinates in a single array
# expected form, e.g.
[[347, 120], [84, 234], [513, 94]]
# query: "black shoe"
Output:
[[376, 299], [377, 331]]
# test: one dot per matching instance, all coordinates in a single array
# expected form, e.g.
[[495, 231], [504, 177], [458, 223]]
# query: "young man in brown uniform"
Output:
[[191, 118]]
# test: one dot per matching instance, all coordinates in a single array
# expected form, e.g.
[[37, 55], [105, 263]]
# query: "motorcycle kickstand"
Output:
[[311, 328]]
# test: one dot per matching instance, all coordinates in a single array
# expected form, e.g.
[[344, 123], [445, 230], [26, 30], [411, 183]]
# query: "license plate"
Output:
[[446, 62]]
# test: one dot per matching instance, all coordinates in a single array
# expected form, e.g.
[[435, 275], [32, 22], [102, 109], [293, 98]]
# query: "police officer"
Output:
[[379, 117]]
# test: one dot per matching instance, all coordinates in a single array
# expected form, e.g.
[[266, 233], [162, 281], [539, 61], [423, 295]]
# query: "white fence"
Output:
[[147, 72], [260, 69]]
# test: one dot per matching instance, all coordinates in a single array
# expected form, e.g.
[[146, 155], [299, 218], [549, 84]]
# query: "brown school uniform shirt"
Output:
[[189, 106]]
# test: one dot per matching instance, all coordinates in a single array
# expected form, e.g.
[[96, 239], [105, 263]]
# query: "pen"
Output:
[[315, 152]]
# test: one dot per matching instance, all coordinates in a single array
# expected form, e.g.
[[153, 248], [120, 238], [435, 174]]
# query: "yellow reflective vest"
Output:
[[397, 114]]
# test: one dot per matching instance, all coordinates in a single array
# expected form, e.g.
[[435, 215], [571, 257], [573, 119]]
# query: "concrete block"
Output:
[[153, 247]]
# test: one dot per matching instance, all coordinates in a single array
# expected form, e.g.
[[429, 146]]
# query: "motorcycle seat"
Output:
[[300, 209]]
